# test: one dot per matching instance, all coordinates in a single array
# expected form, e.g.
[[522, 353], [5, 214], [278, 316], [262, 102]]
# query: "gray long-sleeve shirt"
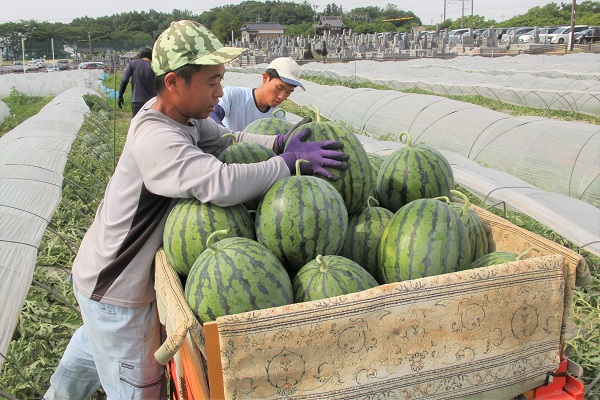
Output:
[[162, 161]]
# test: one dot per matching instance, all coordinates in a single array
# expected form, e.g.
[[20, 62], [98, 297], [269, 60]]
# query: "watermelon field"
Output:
[[49, 314]]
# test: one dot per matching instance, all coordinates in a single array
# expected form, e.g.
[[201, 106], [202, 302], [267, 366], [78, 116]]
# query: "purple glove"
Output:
[[318, 154], [280, 140]]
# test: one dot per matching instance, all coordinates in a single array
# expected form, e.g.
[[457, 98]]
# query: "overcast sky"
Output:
[[430, 11]]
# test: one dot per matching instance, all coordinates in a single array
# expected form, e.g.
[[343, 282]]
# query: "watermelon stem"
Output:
[[279, 110], [442, 198], [298, 162], [210, 242], [408, 141], [317, 112], [463, 197], [322, 264], [526, 253], [372, 202], [231, 135]]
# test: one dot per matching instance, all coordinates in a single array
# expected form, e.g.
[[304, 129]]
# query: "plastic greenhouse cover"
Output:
[[543, 168], [32, 159], [49, 84], [570, 83]]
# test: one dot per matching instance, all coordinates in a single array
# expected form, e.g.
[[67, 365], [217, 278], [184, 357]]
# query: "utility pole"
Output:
[[90, 42], [462, 16], [572, 25], [444, 11], [23, 51]]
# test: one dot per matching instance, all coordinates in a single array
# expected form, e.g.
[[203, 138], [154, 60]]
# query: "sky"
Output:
[[429, 11]]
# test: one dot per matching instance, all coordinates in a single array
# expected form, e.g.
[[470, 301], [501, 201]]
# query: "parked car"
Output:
[[64, 65], [32, 66], [52, 68], [40, 63], [93, 65], [563, 34], [542, 34], [500, 32], [513, 35], [455, 35], [17, 66], [591, 35]]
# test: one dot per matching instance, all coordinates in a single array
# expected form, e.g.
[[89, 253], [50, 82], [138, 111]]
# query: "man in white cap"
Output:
[[170, 153], [240, 106]]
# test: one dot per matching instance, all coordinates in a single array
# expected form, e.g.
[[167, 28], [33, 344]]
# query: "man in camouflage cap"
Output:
[[170, 153]]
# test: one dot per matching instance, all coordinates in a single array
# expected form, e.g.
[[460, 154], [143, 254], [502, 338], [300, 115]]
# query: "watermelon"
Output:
[[233, 276], [363, 235], [300, 217], [355, 183], [500, 257], [413, 172], [330, 276], [478, 238], [189, 224], [268, 126], [246, 153], [424, 238], [376, 161]]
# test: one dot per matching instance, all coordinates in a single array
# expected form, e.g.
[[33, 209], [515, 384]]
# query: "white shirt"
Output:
[[239, 105]]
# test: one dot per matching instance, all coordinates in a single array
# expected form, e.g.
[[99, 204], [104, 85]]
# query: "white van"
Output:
[[563, 34]]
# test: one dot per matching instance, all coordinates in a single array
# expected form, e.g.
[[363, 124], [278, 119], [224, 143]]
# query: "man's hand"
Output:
[[120, 102], [318, 154], [281, 140]]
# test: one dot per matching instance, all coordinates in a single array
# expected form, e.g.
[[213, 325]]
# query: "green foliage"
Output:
[[43, 331]]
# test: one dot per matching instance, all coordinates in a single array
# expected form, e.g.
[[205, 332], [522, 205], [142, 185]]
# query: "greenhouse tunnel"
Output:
[[547, 169]]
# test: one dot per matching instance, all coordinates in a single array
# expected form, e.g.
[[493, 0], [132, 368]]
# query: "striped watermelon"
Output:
[[424, 238], [233, 276], [246, 153], [413, 172], [300, 217], [269, 126], [376, 161], [355, 183], [189, 224], [478, 237], [500, 257], [363, 235], [330, 276]]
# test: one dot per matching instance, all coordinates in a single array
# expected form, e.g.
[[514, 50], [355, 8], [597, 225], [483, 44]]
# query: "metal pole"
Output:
[[572, 25], [52, 43], [23, 51], [462, 17], [444, 10], [90, 42], [472, 2]]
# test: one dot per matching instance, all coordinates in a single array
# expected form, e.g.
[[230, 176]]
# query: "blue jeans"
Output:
[[114, 348]]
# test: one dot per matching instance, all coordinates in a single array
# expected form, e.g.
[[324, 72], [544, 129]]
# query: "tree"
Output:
[[225, 23]]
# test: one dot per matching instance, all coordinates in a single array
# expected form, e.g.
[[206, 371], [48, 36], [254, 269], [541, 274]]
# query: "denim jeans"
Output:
[[114, 348]]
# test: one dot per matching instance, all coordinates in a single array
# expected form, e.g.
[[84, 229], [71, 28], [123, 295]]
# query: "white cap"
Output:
[[288, 70]]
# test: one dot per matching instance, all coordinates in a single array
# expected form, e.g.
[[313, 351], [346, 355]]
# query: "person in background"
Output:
[[239, 106], [139, 70], [170, 153]]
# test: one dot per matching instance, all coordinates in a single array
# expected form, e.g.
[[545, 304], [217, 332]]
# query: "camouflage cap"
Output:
[[188, 42]]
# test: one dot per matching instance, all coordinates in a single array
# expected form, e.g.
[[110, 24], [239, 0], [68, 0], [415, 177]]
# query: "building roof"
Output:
[[330, 22]]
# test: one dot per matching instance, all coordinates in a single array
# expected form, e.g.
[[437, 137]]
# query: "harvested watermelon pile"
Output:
[[308, 238]]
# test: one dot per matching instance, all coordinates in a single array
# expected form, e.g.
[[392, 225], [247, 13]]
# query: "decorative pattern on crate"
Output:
[[448, 336]]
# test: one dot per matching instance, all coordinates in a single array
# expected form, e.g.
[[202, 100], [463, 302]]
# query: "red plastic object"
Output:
[[564, 387]]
